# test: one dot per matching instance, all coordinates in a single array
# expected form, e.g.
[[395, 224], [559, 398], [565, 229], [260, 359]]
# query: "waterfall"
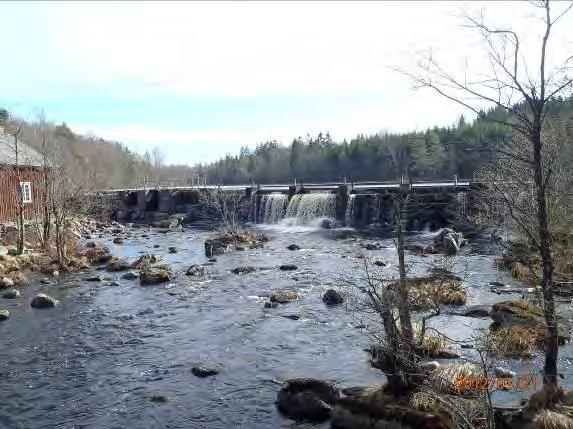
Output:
[[272, 208], [306, 207], [461, 198], [349, 210]]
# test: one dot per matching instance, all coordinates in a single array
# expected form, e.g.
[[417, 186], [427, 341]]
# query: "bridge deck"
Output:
[[358, 186]]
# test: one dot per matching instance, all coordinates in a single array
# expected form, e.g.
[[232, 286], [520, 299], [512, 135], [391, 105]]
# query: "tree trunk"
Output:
[[404, 307], [551, 345]]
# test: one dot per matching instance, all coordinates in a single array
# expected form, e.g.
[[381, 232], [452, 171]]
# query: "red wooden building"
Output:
[[29, 185]]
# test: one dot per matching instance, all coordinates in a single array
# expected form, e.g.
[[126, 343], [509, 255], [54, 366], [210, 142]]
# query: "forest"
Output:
[[437, 153]]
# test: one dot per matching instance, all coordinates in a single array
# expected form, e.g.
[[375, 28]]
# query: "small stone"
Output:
[[91, 244], [4, 315], [172, 249], [269, 304], [130, 275], [45, 282], [6, 282], [503, 372], [93, 279], [158, 399], [118, 240], [283, 297], [155, 246], [243, 270], [196, 271], [204, 370], [429, 366], [291, 316], [11, 294], [293, 247], [213, 260], [380, 262], [288, 267], [466, 346], [372, 246], [43, 301], [240, 248]]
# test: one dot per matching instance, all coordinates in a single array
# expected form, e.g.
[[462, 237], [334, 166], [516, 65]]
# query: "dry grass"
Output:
[[547, 419], [444, 378], [521, 272], [514, 341], [457, 408], [431, 291]]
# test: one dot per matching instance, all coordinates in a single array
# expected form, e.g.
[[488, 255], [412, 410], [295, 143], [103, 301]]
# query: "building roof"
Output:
[[26, 156]]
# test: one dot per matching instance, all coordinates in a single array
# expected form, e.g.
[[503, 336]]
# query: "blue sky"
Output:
[[200, 80]]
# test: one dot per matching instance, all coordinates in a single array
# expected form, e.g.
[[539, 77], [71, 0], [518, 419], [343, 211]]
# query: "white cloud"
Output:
[[220, 51]]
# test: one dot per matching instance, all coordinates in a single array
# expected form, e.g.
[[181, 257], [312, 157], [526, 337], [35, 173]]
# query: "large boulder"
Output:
[[154, 275], [43, 301], [332, 297], [216, 246], [449, 241], [306, 399], [4, 315]]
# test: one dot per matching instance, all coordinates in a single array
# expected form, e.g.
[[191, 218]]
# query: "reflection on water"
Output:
[[97, 359]]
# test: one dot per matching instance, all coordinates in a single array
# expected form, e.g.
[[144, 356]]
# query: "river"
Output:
[[96, 359]]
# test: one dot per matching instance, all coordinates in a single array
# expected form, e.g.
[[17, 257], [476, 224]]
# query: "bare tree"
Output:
[[526, 97], [158, 160], [16, 148], [228, 208], [45, 136]]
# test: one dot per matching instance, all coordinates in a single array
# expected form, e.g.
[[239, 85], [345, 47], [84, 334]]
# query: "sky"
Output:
[[202, 79]]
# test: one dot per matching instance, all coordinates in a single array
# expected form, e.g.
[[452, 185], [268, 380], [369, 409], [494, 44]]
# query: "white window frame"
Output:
[[26, 189]]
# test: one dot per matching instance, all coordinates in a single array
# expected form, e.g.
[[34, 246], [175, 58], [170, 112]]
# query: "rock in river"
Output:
[[288, 267], [172, 249], [130, 275], [11, 294], [4, 315], [270, 304], [43, 301], [244, 270], [283, 297], [6, 282], [306, 399], [154, 275], [332, 297], [293, 247], [118, 240], [117, 264], [196, 271], [204, 370]]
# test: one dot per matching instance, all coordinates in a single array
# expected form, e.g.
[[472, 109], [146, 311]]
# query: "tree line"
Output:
[[437, 153]]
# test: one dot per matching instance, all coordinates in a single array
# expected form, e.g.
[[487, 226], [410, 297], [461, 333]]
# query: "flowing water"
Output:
[[308, 207], [272, 208], [97, 359], [349, 214]]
